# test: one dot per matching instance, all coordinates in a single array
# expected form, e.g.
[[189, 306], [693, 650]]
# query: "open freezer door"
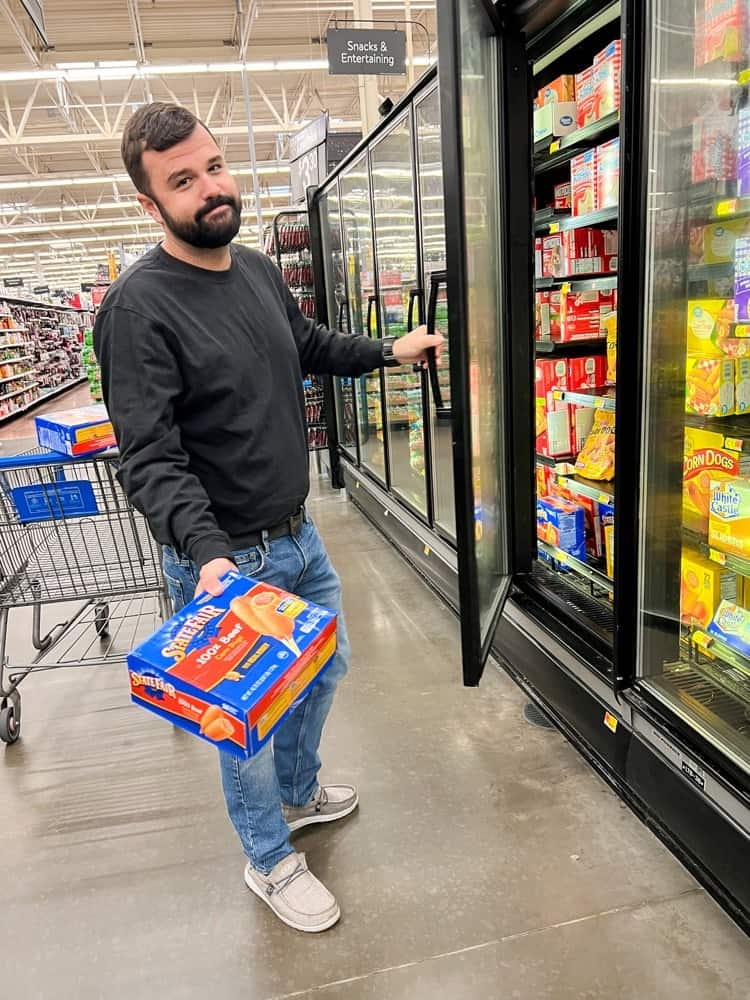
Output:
[[484, 110]]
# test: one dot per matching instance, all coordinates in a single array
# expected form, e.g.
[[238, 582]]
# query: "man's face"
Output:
[[192, 194]]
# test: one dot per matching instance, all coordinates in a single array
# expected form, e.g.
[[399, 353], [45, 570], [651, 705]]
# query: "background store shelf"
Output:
[[598, 399], [581, 568], [550, 153], [572, 348], [579, 283]]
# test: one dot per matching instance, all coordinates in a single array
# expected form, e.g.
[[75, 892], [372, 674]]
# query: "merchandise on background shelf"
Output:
[[709, 329], [607, 75], [715, 243], [589, 506], [706, 459], [731, 625], [584, 373], [555, 119], [597, 458], [742, 386], [608, 175], [83, 431], [562, 196], [703, 586], [709, 386], [553, 437], [742, 279], [721, 31], [585, 97], [583, 182], [547, 315], [609, 546], [230, 669], [545, 478], [714, 148], [561, 89], [561, 523], [538, 258], [609, 323], [729, 516], [743, 153], [582, 314], [579, 251]]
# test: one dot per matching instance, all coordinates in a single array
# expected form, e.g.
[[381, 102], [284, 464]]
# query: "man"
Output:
[[203, 352]]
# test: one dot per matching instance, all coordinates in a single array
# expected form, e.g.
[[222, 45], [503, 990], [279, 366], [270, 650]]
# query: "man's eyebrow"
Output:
[[177, 173]]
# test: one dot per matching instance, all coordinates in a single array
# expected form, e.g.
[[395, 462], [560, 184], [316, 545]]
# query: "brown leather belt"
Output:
[[291, 525]]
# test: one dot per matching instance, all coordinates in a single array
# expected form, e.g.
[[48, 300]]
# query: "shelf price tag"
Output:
[[733, 444], [717, 557], [554, 147], [554, 227], [726, 207], [604, 498], [565, 287], [610, 722]]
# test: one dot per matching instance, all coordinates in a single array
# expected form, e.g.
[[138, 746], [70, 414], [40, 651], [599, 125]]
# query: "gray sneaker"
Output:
[[295, 895], [330, 802]]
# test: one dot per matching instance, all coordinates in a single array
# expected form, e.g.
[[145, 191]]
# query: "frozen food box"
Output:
[[731, 625], [553, 437], [706, 458], [742, 385], [230, 669], [743, 153], [609, 323], [608, 175], [607, 74], [708, 326], [742, 279], [597, 458], [83, 431], [729, 516], [562, 202], [582, 314], [561, 89], [703, 586], [586, 97], [561, 523], [714, 155], [723, 33], [547, 315], [609, 548], [583, 182], [709, 386], [715, 243], [555, 119]]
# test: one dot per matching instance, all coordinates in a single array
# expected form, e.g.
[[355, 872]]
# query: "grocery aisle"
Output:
[[23, 426], [477, 867]]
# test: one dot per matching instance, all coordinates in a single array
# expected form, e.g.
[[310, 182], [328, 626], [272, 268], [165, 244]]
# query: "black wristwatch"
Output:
[[389, 358]]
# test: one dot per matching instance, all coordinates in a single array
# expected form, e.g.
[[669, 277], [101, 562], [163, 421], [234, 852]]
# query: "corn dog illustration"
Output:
[[261, 613]]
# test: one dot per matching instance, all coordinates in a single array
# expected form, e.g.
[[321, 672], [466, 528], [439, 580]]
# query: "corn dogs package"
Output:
[[230, 669]]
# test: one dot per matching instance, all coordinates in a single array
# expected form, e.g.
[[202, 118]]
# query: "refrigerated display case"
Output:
[[589, 269]]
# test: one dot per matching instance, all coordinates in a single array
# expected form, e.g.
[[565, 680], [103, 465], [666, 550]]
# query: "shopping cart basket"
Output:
[[68, 536]]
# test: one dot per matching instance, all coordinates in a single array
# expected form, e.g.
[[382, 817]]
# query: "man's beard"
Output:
[[203, 233]]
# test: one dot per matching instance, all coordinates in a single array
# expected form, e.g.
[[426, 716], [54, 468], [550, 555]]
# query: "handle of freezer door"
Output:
[[371, 300], [340, 324], [442, 412], [415, 295]]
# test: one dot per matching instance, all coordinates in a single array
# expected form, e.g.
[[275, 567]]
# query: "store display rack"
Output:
[[287, 240], [551, 153]]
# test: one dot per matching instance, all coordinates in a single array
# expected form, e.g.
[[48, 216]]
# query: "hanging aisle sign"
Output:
[[360, 51]]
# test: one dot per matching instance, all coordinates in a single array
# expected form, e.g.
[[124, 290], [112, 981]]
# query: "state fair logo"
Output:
[[725, 503]]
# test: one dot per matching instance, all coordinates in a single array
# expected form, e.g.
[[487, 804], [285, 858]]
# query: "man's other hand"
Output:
[[211, 574], [411, 349]]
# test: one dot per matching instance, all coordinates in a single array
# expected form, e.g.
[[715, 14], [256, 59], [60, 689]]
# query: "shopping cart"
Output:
[[68, 536]]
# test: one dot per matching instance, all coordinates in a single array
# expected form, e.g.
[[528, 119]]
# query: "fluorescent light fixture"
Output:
[[87, 179]]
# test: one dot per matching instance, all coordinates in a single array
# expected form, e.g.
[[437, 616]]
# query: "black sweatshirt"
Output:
[[202, 377]]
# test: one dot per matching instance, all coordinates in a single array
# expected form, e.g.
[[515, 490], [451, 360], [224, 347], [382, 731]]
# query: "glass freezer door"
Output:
[[432, 215], [356, 221], [338, 318], [471, 106], [395, 213], [694, 604]]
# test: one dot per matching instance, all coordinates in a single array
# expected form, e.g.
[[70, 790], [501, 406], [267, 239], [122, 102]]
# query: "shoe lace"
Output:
[[287, 880]]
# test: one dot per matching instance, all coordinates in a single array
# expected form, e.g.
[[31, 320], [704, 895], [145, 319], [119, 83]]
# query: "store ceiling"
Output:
[[64, 198]]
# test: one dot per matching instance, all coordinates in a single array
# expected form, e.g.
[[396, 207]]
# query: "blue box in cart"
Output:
[[230, 669], [83, 431]]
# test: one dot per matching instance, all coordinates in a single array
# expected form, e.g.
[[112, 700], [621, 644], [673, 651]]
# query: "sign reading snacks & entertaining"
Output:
[[355, 51]]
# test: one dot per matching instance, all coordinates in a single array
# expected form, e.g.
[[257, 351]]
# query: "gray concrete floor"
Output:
[[487, 859]]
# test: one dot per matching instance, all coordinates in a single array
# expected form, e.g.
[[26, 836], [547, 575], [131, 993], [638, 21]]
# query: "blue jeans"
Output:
[[286, 769]]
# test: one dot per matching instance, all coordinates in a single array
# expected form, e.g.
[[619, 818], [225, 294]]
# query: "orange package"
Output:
[[597, 458]]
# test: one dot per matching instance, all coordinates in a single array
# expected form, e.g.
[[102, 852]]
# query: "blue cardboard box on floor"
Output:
[[230, 669]]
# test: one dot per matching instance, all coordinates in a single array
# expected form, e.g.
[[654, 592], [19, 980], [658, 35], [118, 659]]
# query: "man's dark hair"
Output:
[[156, 126]]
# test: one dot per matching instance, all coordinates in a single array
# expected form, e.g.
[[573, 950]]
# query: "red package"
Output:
[[607, 74], [585, 97], [552, 415], [562, 197], [714, 148]]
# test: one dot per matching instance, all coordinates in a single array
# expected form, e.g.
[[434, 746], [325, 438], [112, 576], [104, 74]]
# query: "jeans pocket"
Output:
[[180, 586], [250, 562]]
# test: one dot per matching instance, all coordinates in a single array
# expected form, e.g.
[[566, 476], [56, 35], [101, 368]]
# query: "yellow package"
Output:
[[742, 385], [706, 459], [719, 239], [709, 386], [729, 516], [703, 585], [710, 330], [597, 458], [609, 324], [609, 548]]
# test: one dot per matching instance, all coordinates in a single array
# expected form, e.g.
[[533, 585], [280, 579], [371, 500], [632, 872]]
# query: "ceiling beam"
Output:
[[17, 29]]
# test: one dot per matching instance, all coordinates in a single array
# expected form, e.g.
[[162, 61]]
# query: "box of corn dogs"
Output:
[[230, 669]]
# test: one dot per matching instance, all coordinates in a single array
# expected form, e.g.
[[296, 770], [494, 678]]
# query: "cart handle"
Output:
[[36, 458]]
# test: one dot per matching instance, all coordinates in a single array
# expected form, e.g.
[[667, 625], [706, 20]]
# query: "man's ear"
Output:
[[150, 207]]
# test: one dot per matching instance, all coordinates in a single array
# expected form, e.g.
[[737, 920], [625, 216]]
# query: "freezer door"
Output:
[[356, 218], [693, 605], [473, 72]]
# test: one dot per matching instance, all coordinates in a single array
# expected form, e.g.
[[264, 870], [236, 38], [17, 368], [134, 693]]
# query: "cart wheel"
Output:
[[101, 621], [10, 718]]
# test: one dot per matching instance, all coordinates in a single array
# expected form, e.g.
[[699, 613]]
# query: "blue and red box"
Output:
[[230, 669], [86, 430], [561, 523]]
